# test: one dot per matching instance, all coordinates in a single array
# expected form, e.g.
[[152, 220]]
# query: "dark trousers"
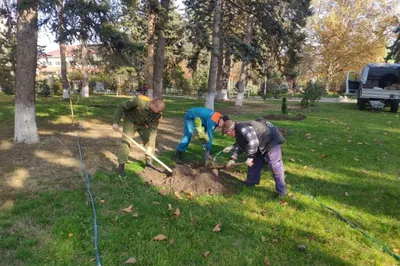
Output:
[[275, 163]]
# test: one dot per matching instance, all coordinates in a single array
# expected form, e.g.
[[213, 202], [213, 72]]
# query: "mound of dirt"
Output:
[[285, 117], [198, 181]]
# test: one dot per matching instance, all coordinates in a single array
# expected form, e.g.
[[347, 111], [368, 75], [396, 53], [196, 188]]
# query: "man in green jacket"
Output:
[[141, 114]]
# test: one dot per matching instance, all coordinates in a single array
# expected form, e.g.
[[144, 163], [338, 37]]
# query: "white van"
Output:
[[378, 85]]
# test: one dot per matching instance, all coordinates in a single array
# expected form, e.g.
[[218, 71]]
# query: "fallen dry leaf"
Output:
[[123, 254], [360, 143], [366, 143], [169, 206], [190, 195], [305, 167], [70, 234], [396, 250], [129, 209], [349, 141], [346, 194], [102, 201], [135, 215], [322, 155], [206, 254], [131, 261], [377, 141], [274, 241], [301, 247], [284, 202], [356, 159], [92, 259], [364, 171], [172, 241], [313, 150], [217, 228], [160, 237], [244, 202], [263, 239], [177, 195], [292, 160], [267, 261], [156, 203], [177, 212]]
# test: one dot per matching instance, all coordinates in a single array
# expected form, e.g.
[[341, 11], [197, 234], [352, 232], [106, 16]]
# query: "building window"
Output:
[[49, 63], [58, 63]]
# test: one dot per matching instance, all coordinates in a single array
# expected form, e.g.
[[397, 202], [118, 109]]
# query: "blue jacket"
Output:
[[209, 120]]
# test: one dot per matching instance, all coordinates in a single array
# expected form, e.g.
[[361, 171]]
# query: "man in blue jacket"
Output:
[[201, 122]]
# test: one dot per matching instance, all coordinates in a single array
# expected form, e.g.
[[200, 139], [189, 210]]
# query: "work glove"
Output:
[[207, 155], [249, 162], [115, 127], [228, 149], [207, 158], [199, 129], [230, 164], [203, 136]]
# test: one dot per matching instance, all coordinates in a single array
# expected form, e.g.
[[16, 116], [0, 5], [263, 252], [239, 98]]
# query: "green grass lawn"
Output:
[[348, 159]]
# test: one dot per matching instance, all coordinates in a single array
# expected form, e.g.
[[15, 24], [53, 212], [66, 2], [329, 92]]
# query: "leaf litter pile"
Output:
[[192, 180]]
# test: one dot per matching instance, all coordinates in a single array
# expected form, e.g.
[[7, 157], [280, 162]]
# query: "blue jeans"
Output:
[[275, 163], [188, 130]]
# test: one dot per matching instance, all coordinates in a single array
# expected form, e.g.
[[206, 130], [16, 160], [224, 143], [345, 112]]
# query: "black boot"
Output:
[[121, 169], [177, 157], [149, 163]]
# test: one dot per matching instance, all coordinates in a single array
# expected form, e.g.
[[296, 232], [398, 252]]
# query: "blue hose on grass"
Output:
[[352, 225], [96, 233]]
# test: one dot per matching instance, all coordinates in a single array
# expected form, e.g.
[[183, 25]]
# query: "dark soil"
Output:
[[198, 181], [298, 117]]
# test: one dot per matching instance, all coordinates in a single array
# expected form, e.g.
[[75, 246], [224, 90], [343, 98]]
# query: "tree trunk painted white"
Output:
[[220, 69], [150, 93], [224, 95], [64, 78], [242, 84], [150, 50], [210, 100], [239, 98], [25, 128], [212, 77], [85, 81], [244, 67], [160, 48]]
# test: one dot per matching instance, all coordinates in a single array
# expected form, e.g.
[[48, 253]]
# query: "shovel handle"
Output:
[[224, 166], [144, 150]]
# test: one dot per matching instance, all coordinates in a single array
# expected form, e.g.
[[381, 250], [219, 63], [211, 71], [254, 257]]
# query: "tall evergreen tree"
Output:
[[160, 47], [25, 128]]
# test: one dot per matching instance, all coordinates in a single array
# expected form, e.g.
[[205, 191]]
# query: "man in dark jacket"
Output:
[[261, 141]]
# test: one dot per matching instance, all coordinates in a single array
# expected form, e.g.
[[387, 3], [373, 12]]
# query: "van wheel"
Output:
[[361, 104], [394, 106]]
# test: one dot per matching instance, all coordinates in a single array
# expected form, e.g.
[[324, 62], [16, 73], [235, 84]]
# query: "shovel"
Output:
[[224, 166], [144, 150]]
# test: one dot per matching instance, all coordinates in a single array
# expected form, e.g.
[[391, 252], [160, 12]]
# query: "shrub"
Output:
[[284, 106], [42, 88], [312, 92], [57, 86]]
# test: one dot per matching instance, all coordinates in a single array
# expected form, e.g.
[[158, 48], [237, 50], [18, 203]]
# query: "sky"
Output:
[[46, 38]]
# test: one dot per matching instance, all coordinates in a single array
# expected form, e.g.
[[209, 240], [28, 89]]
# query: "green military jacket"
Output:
[[137, 110]]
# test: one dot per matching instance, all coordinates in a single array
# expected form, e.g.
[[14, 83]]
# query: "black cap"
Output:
[[225, 118]]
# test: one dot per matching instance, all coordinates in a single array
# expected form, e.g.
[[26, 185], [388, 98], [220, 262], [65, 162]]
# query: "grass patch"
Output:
[[347, 159]]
